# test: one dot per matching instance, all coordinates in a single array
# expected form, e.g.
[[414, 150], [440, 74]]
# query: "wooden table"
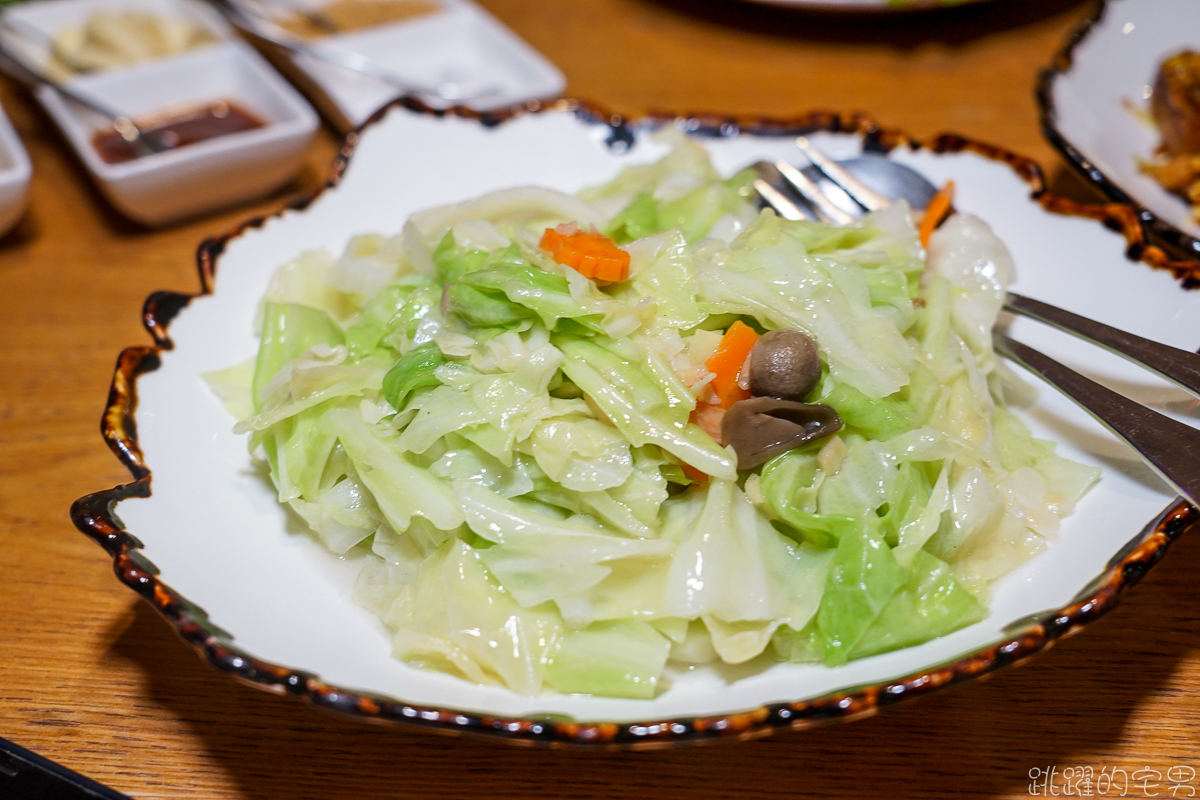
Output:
[[92, 678]]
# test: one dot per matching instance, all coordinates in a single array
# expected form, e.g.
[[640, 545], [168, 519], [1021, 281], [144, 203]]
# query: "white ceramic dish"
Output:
[[220, 539], [169, 186], [43, 19], [15, 172], [1106, 66], [460, 46]]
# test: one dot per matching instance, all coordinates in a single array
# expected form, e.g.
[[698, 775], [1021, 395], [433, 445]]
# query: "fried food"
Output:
[[1175, 106]]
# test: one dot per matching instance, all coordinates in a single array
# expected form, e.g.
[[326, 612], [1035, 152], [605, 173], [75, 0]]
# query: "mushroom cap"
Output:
[[763, 427], [784, 364]]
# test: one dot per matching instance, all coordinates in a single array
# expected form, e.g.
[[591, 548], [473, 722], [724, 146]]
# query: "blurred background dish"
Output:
[[342, 16], [116, 38], [1095, 102], [70, 37], [869, 6], [1175, 110], [234, 128], [453, 46], [15, 172]]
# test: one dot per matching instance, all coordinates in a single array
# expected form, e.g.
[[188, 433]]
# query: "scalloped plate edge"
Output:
[[94, 514]]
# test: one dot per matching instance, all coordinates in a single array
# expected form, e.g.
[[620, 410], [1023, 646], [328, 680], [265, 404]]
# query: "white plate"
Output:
[[215, 530], [460, 46], [1109, 64], [15, 172], [168, 186]]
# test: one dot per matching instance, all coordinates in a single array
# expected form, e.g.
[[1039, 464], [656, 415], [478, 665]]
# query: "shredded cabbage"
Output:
[[515, 447]]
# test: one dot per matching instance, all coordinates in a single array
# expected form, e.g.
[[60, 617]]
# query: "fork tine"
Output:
[[865, 196], [777, 200], [826, 210]]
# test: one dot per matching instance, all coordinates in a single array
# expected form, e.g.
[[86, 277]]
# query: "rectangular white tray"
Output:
[[461, 46]]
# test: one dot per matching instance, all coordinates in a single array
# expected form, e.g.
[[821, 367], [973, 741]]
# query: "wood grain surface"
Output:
[[92, 678]]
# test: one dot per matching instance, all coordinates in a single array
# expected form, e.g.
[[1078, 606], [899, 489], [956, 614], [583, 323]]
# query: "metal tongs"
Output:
[[1170, 448]]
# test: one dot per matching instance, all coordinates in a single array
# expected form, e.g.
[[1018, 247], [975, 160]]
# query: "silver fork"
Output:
[[1170, 448]]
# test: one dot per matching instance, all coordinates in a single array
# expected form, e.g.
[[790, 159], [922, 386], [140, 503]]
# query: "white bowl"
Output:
[[1106, 68], [169, 186], [460, 44], [14, 175]]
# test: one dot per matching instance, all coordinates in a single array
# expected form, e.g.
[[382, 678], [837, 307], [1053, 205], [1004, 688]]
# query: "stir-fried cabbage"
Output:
[[512, 443]]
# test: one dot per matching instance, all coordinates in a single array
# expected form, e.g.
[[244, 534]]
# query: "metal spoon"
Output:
[[144, 143]]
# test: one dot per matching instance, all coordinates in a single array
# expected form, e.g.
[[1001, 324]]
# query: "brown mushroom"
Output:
[[784, 364], [763, 427]]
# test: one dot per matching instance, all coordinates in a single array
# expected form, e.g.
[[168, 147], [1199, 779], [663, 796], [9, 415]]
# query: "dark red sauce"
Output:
[[178, 130]]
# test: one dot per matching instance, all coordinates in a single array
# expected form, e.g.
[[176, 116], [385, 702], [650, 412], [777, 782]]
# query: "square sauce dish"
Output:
[[240, 129]]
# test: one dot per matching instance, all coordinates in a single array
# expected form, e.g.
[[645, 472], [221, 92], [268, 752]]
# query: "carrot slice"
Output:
[[591, 254], [552, 240], [727, 362], [935, 212], [696, 475], [708, 417]]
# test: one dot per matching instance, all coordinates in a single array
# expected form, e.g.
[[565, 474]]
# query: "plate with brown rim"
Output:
[[1095, 98], [202, 538]]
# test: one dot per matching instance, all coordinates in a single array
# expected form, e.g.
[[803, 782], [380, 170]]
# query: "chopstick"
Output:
[[27, 776]]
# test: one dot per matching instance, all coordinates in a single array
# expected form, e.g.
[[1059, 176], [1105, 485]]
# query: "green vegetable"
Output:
[[640, 406], [877, 418], [929, 604], [289, 330], [515, 452], [638, 219], [617, 659], [861, 582], [790, 482], [414, 370]]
